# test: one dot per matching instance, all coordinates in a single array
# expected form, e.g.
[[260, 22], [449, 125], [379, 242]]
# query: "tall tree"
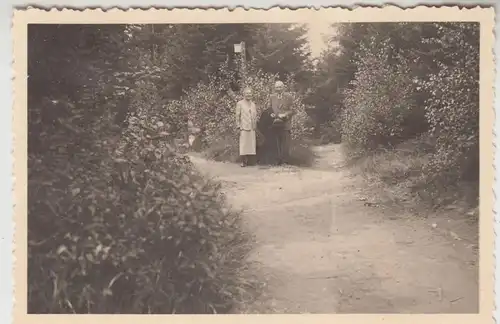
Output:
[[282, 49], [69, 64]]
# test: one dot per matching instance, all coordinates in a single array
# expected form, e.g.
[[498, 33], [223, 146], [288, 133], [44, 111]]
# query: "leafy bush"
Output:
[[452, 108], [211, 106], [133, 227], [133, 230], [402, 91], [379, 100]]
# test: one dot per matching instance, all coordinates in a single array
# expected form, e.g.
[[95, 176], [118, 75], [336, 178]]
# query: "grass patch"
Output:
[[400, 173]]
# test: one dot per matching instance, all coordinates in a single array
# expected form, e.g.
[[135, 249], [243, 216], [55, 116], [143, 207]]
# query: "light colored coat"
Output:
[[246, 115], [246, 120]]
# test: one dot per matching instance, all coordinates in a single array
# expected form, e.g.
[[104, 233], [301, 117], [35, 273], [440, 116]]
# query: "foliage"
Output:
[[183, 81], [157, 233], [412, 80], [379, 100], [118, 222], [282, 50], [452, 108], [332, 73], [106, 103], [336, 68], [211, 106], [191, 53]]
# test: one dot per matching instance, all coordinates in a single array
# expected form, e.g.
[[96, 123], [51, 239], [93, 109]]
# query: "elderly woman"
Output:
[[246, 122]]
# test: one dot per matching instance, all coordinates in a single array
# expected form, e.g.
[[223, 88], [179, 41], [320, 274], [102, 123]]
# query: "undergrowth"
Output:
[[401, 174], [135, 229]]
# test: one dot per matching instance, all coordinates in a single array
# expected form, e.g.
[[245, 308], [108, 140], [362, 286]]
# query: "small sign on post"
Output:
[[238, 48]]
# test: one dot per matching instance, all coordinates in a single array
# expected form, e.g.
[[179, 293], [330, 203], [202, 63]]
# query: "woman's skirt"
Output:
[[248, 142]]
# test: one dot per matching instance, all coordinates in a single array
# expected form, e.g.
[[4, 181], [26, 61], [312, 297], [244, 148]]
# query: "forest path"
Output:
[[321, 249]]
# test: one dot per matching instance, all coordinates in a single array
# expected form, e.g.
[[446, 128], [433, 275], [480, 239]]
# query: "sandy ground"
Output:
[[322, 249]]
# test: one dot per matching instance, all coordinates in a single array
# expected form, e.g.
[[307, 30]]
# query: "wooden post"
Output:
[[241, 50], [243, 64]]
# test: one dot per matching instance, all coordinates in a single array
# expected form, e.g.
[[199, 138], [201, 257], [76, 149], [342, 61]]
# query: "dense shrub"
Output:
[[378, 102], [210, 106], [118, 222], [133, 230], [452, 108], [426, 90]]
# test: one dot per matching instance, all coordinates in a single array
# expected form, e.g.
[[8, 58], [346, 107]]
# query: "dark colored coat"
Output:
[[267, 152]]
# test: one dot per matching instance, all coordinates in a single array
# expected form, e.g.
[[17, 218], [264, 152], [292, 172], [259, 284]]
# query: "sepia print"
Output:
[[254, 164]]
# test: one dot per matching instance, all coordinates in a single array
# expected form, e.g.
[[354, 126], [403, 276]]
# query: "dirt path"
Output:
[[322, 250]]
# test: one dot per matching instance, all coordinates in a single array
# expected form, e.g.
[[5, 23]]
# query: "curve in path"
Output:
[[321, 250]]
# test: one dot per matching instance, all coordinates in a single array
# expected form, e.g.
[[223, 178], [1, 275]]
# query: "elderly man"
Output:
[[281, 104]]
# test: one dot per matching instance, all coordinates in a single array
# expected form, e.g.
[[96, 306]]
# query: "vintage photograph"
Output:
[[314, 167]]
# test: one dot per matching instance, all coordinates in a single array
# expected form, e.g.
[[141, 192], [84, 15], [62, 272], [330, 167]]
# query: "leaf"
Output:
[[90, 257], [61, 249], [107, 292], [98, 249], [207, 269]]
